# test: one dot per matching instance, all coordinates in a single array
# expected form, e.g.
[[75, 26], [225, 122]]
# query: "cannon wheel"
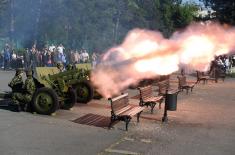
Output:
[[45, 101], [70, 99], [85, 92]]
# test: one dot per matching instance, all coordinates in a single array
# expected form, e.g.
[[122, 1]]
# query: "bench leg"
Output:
[[152, 105], [138, 116], [160, 103], [165, 118], [141, 103], [127, 120], [111, 122], [186, 90]]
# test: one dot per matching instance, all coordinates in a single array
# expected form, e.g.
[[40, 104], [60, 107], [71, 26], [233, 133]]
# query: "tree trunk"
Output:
[[12, 24], [38, 16]]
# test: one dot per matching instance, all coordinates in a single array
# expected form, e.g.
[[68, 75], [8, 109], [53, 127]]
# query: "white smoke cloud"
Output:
[[147, 54]]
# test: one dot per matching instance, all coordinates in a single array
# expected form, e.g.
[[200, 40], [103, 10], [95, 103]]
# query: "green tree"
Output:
[[183, 15], [224, 10], [94, 25]]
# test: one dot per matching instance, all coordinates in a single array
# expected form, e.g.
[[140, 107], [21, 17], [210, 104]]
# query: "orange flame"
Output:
[[146, 54]]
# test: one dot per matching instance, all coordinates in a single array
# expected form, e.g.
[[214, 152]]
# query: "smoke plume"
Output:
[[147, 54]]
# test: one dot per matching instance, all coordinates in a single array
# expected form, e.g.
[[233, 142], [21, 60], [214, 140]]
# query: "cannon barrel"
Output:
[[5, 95]]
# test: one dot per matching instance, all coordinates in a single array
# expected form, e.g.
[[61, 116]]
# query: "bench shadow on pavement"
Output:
[[93, 120]]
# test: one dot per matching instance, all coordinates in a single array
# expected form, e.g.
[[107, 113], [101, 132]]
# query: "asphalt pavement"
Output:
[[204, 123]]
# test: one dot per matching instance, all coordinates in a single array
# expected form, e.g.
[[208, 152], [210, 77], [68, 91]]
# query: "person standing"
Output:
[[1, 60], [60, 49], [27, 58], [63, 59], [51, 48], [81, 56], [13, 62], [85, 56], [44, 58], [94, 60], [77, 57], [33, 57], [7, 57], [227, 64], [72, 57], [49, 59]]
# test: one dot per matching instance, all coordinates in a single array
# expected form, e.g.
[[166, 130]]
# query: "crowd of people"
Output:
[[224, 63], [48, 56]]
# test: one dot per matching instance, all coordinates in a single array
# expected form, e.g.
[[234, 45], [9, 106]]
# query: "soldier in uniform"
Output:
[[23, 99], [16, 83], [60, 66]]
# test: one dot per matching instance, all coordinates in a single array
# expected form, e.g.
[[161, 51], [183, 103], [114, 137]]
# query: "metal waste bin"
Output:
[[171, 101], [170, 104]]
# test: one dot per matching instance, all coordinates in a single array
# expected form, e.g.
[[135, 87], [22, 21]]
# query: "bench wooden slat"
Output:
[[133, 111], [119, 97], [153, 99], [118, 112], [121, 103]]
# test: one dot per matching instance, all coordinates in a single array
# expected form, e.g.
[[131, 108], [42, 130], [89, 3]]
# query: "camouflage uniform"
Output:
[[16, 83], [29, 88], [60, 66]]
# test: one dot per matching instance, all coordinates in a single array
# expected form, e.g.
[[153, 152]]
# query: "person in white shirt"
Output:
[[13, 56], [60, 49], [77, 57], [85, 56], [227, 64], [51, 48]]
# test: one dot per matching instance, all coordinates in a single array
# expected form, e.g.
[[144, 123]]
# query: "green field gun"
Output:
[[56, 89], [78, 79], [69, 86]]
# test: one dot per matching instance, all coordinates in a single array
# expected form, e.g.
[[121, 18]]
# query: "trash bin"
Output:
[[171, 101]]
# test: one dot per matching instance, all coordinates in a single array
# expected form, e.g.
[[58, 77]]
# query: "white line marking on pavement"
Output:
[[121, 152]]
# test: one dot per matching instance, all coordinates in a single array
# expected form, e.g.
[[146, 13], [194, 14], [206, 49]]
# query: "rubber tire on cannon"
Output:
[[70, 99], [85, 91], [45, 101]]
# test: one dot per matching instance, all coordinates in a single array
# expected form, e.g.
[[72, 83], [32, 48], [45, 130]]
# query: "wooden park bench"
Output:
[[202, 77], [216, 74], [121, 110], [213, 76], [184, 85], [147, 97], [164, 87]]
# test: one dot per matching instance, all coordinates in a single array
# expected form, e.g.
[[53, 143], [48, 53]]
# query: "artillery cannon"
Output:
[[51, 92], [78, 79], [55, 89]]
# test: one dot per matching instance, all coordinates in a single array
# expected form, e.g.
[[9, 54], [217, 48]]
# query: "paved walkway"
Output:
[[204, 123]]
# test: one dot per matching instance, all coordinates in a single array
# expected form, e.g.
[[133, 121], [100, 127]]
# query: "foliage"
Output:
[[224, 10], [94, 25]]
